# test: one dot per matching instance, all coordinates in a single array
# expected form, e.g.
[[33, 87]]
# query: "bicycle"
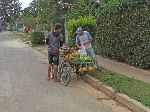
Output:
[[64, 69]]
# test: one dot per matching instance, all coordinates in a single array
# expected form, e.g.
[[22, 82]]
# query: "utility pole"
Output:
[[38, 5]]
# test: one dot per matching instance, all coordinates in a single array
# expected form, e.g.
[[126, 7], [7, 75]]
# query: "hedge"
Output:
[[37, 38], [88, 23], [123, 34]]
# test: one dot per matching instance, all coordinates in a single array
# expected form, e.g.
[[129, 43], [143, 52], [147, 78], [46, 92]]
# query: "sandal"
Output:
[[57, 80]]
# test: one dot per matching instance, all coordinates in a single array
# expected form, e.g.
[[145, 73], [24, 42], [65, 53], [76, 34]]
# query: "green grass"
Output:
[[22, 36], [131, 87], [33, 39]]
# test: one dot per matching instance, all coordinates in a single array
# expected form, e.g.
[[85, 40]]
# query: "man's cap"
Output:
[[79, 29]]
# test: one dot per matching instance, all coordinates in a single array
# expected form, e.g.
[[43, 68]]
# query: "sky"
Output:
[[25, 3]]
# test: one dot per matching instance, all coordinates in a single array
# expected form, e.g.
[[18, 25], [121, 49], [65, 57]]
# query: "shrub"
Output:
[[88, 23], [37, 38], [83, 8], [123, 34]]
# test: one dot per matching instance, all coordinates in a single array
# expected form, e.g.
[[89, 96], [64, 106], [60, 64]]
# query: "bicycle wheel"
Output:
[[66, 73], [60, 68]]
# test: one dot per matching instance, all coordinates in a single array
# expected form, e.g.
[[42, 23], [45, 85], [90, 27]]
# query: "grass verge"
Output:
[[22, 36], [135, 89], [33, 39]]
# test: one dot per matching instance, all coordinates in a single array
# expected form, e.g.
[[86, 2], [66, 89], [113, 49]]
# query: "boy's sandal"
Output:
[[57, 80]]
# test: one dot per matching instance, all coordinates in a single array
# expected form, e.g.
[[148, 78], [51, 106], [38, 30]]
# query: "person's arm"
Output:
[[87, 42], [78, 42], [89, 39], [61, 40], [47, 39], [78, 45]]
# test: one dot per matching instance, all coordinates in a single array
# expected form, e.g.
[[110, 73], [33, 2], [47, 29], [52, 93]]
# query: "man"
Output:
[[54, 42], [83, 40]]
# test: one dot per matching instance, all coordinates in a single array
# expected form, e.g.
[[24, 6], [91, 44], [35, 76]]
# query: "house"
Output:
[[19, 24]]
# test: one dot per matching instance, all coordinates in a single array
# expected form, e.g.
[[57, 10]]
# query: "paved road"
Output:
[[23, 85]]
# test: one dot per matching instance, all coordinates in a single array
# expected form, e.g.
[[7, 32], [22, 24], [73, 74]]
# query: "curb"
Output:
[[121, 98]]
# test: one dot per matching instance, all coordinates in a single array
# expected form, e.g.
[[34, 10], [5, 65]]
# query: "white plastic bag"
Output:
[[82, 51]]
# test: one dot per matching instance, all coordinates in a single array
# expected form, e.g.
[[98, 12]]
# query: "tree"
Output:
[[10, 9], [28, 19], [83, 8], [53, 10], [33, 8], [46, 11], [49, 10], [29, 15]]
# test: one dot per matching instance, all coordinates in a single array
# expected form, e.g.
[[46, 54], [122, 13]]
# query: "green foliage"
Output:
[[50, 11], [135, 89], [88, 7], [88, 23], [29, 15], [122, 29], [32, 9], [82, 9], [37, 38], [123, 34], [10, 10], [110, 5], [28, 19]]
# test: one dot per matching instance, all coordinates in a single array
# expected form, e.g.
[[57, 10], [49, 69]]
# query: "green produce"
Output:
[[86, 58]]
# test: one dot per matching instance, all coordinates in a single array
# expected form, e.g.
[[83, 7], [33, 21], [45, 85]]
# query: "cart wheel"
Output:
[[65, 78], [60, 68], [65, 73]]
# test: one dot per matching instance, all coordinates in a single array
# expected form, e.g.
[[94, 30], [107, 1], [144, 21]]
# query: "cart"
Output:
[[67, 67]]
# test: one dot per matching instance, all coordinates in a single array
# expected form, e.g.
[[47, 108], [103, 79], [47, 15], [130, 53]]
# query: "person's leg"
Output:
[[91, 52], [50, 59], [56, 64], [49, 71], [56, 79]]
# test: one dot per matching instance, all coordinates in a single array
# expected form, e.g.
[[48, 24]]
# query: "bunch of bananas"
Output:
[[88, 68]]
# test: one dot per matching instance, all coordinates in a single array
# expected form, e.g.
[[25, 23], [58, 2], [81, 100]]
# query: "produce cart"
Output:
[[75, 63]]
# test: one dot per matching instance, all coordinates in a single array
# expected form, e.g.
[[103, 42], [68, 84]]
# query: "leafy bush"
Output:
[[88, 23], [37, 38], [83, 8], [88, 7], [110, 5], [123, 34]]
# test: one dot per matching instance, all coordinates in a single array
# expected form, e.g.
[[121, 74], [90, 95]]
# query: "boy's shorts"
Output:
[[53, 57]]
